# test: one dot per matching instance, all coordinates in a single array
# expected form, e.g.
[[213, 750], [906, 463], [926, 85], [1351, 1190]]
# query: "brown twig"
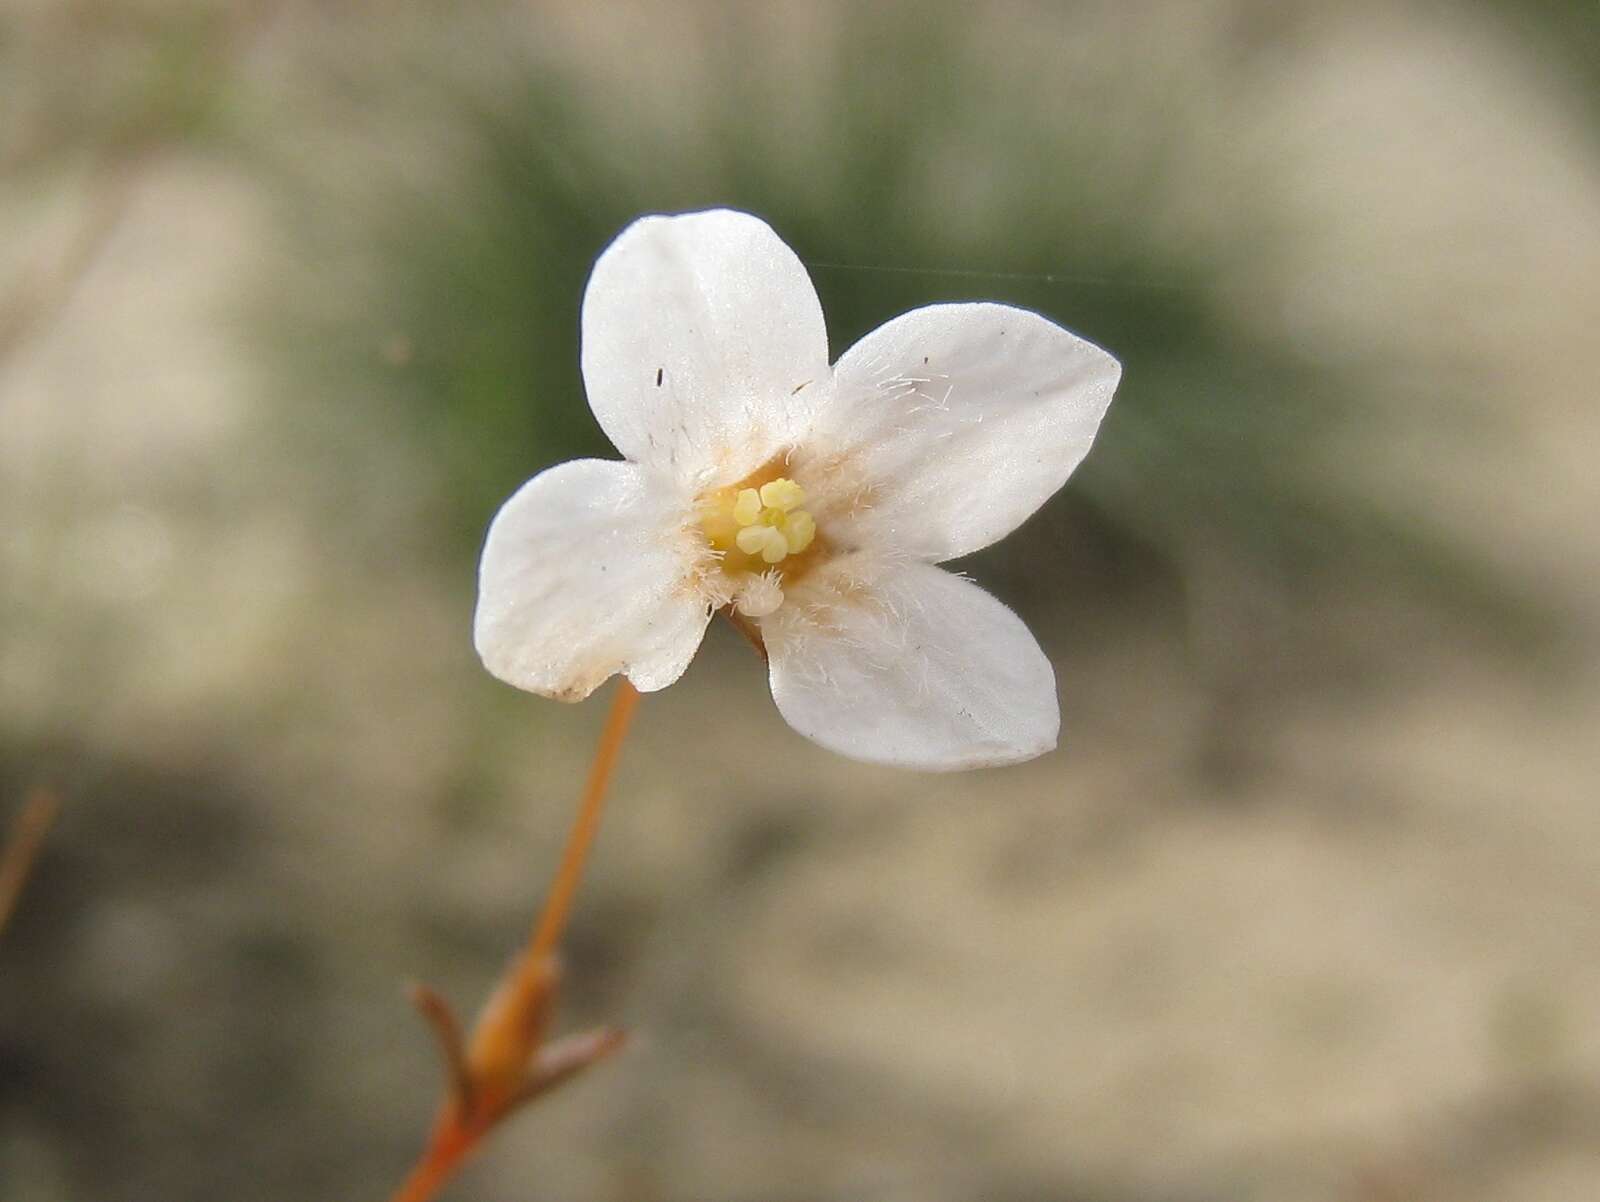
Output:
[[22, 845], [506, 1063], [136, 138]]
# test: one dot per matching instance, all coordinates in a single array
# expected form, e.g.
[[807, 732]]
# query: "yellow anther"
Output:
[[756, 526], [747, 507], [798, 531], [782, 494], [765, 541], [769, 524]]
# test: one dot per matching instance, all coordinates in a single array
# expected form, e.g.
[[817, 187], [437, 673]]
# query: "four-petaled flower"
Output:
[[810, 501]]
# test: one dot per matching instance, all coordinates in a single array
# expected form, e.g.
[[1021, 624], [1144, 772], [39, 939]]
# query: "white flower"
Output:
[[812, 501]]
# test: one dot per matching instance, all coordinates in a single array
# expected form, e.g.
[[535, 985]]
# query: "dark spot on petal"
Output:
[[660, 371]]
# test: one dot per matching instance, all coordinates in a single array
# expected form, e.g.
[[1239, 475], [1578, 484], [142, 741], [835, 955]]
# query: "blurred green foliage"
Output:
[[462, 330], [184, 1020]]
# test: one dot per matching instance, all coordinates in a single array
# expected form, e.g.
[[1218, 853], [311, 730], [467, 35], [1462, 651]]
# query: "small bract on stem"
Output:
[[810, 503], [507, 1063]]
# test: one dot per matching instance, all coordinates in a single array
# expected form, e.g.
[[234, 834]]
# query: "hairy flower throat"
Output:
[[758, 528]]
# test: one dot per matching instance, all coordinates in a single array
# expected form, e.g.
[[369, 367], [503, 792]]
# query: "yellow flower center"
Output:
[[758, 527], [771, 522]]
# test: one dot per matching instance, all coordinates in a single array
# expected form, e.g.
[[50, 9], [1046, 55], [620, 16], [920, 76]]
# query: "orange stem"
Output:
[[558, 905], [431, 1173], [487, 1082]]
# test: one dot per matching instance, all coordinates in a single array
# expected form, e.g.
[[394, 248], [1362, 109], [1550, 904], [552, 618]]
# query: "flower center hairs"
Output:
[[761, 534]]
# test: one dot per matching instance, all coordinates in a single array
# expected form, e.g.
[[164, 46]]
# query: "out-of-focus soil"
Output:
[[1336, 944]]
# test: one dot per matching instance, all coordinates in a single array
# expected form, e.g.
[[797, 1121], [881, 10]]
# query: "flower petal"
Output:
[[908, 664], [703, 344], [950, 425], [587, 572]]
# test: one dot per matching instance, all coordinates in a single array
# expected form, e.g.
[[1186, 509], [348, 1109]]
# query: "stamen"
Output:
[[799, 530], [765, 541], [770, 522], [756, 526], [781, 494], [747, 508]]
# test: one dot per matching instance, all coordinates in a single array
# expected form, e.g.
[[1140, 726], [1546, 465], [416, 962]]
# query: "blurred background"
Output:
[[1305, 909]]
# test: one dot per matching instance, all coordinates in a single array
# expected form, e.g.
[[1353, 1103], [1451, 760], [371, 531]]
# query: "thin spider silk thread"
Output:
[[1035, 277]]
